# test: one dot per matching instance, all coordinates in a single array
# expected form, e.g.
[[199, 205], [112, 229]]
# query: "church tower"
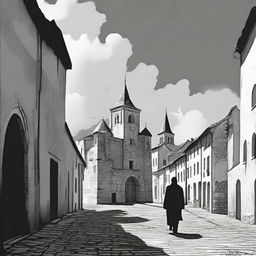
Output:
[[166, 135], [125, 124]]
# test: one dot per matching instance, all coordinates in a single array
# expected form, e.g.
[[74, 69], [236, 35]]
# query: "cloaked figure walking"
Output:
[[174, 203]]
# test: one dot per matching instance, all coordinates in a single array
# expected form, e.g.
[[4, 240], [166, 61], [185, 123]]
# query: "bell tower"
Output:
[[166, 135]]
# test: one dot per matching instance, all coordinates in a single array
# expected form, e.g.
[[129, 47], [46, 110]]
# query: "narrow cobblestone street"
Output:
[[138, 230]]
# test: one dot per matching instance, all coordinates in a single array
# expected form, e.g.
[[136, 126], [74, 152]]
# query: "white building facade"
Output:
[[242, 176]]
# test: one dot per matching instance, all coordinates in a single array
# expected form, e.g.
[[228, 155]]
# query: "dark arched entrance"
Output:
[[130, 190], [238, 200], [14, 181]]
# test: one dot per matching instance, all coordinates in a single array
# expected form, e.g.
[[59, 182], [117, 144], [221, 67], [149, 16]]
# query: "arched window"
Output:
[[164, 162], [130, 119], [254, 145], [254, 96], [245, 152]]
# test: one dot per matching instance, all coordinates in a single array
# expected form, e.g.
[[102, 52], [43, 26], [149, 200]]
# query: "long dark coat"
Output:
[[174, 203]]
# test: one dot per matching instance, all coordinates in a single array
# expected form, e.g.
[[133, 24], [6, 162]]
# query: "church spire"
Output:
[[166, 128], [124, 99]]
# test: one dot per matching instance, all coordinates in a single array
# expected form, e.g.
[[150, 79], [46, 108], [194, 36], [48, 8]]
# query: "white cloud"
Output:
[[206, 108], [97, 79], [98, 74], [190, 125], [57, 11]]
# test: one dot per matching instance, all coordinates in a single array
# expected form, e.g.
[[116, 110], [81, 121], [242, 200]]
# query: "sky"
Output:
[[177, 56]]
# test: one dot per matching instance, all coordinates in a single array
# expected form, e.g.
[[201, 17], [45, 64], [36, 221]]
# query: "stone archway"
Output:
[[131, 188], [14, 181]]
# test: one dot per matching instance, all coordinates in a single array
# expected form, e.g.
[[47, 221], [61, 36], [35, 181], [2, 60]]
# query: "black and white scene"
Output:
[[127, 128]]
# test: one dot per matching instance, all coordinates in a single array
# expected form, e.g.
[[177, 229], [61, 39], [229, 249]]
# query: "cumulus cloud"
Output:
[[97, 79], [190, 125], [82, 18], [98, 74], [206, 108], [74, 18], [56, 11]]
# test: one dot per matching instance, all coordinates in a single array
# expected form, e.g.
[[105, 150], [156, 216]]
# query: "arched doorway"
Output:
[[130, 190], [14, 178], [238, 200]]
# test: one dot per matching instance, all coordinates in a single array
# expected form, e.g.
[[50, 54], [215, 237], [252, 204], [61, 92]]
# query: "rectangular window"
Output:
[[194, 169], [208, 166], [197, 167], [113, 198], [190, 171], [181, 177], [75, 185], [178, 177], [131, 142], [130, 164], [204, 163]]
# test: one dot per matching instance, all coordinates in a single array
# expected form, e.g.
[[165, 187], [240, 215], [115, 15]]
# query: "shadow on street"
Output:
[[187, 236], [87, 232]]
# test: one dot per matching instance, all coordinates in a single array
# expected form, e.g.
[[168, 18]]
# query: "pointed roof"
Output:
[[102, 127], [124, 99], [166, 126], [145, 132]]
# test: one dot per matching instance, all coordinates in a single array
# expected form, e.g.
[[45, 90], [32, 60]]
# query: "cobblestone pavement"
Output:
[[138, 230]]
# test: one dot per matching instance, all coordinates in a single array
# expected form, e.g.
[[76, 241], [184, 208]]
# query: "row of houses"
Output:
[[217, 170], [200, 165], [41, 169]]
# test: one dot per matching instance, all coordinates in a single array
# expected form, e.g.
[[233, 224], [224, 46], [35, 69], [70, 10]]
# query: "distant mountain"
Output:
[[84, 133]]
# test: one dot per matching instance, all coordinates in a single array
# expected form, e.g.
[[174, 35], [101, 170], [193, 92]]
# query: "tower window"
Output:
[[254, 96], [164, 162], [130, 164], [130, 119], [131, 141]]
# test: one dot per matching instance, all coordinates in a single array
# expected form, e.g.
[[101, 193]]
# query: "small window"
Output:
[[130, 164], [131, 142], [254, 145], [75, 185], [130, 119], [194, 169], [254, 96], [208, 166], [164, 162], [197, 167], [245, 152]]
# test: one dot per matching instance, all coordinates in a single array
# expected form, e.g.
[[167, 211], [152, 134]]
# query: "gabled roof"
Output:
[[124, 100], [102, 127], [211, 127], [74, 144], [247, 30], [49, 32], [145, 132], [166, 126]]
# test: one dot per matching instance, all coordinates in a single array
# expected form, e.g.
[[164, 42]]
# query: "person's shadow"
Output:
[[186, 235]]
